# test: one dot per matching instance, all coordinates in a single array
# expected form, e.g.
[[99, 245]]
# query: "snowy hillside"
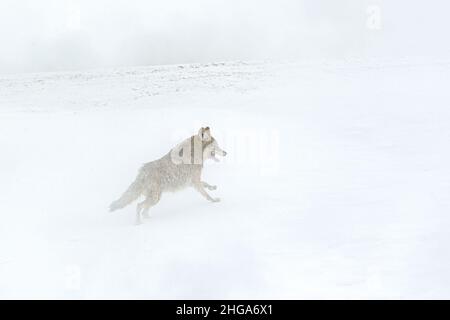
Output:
[[336, 183]]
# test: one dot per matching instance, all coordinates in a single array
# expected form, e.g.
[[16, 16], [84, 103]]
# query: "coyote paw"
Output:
[[146, 215], [216, 200]]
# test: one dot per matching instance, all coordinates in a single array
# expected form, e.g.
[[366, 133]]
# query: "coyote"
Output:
[[178, 169]]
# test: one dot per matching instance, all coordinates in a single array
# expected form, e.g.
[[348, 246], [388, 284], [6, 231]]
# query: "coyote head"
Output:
[[210, 147], [197, 149]]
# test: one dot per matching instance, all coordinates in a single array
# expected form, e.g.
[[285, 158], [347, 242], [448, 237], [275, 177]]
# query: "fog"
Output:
[[52, 35]]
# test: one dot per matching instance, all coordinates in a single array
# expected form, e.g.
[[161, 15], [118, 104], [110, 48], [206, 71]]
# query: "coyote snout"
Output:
[[180, 168]]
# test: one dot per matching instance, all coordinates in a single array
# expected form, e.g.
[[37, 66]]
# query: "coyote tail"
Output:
[[132, 193]]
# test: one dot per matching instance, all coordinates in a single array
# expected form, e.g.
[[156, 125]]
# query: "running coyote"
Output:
[[178, 169]]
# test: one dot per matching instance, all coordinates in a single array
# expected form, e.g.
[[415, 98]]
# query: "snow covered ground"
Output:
[[337, 182]]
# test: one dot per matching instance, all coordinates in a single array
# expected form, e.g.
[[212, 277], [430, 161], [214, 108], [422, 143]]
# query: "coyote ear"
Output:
[[204, 134]]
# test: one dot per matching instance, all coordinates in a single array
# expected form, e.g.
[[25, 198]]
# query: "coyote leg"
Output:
[[138, 212], [208, 186], [149, 202], [199, 188]]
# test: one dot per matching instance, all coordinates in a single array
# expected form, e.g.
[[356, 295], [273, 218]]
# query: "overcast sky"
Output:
[[50, 35]]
